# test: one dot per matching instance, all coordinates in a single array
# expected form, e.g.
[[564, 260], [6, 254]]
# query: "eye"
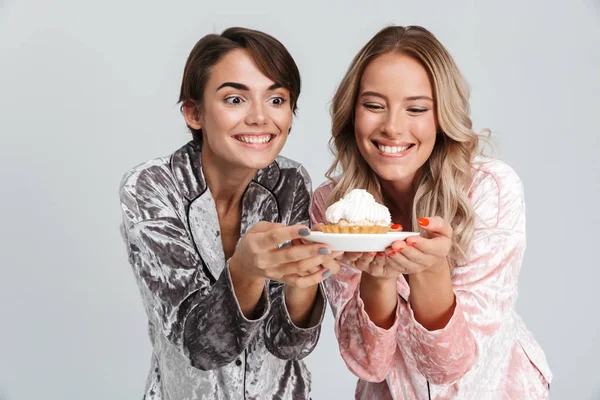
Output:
[[415, 110], [234, 100], [373, 106], [277, 101]]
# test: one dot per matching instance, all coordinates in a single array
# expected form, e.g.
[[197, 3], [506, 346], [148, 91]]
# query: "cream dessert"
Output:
[[357, 212]]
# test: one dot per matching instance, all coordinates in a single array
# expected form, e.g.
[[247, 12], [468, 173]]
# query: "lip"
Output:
[[256, 146], [401, 154], [391, 143]]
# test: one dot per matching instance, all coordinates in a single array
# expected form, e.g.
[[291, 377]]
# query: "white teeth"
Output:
[[392, 149], [255, 139]]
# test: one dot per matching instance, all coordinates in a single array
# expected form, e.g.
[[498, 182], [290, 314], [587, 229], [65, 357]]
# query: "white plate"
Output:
[[358, 241]]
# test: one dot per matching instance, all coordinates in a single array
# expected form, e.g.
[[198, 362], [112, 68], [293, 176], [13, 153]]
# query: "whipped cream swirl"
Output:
[[358, 208]]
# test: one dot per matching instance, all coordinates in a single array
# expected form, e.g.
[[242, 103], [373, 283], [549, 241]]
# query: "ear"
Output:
[[191, 115]]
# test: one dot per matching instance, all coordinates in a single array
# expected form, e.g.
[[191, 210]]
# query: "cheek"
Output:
[[226, 119], [282, 118], [424, 130], [364, 125], [220, 119]]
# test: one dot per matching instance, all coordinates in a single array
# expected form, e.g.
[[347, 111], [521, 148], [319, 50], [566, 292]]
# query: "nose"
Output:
[[394, 123], [256, 114]]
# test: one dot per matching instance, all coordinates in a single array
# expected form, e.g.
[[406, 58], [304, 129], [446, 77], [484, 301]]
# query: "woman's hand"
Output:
[[374, 264], [301, 265], [418, 254]]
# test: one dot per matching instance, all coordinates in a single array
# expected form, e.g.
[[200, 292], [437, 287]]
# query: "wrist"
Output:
[[380, 298], [295, 295], [241, 275], [439, 272], [378, 280]]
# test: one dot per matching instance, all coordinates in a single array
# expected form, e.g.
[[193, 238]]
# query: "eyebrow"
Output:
[[368, 93], [241, 86], [410, 98]]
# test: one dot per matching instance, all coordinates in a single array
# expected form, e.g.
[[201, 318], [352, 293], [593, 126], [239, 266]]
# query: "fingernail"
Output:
[[304, 232], [324, 251], [396, 226], [392, 254], [411, 242], [423, 221], [381, 254], [326, 274], [371, 254]]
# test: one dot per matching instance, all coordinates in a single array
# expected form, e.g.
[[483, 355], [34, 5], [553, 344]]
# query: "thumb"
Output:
[[436, 226]]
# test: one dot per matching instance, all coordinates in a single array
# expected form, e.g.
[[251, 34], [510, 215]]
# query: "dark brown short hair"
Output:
[[271, 57]]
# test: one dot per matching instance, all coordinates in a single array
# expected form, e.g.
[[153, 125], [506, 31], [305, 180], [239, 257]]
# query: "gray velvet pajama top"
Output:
[[203, 346]]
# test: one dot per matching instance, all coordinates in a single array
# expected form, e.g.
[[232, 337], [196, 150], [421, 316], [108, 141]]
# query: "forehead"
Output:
[[396, 73], [238, 66]]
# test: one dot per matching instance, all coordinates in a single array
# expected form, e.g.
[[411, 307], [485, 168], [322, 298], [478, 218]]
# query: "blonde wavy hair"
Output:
[[442, 184]]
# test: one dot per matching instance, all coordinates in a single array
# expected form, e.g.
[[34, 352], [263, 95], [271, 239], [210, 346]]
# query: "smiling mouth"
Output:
[[393, 149], [254, 139]]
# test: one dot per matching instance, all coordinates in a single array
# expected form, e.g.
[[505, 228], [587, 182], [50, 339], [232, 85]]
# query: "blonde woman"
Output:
[[434, 316]]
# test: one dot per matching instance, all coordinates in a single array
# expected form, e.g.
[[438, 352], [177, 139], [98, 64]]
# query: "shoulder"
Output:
[[496, 170], [147, 176], [147, 190], [496, 192], [291, 170], [287, 164], [324, 190]]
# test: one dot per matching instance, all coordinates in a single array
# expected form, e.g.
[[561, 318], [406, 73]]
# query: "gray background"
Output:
[[88, 90]]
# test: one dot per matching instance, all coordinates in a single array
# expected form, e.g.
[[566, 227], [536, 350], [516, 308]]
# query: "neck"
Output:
[[227, 183], [398, 196]]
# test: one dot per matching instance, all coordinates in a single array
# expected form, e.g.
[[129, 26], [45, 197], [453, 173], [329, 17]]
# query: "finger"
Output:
[[399, 262], [306, 281], [301, 252], [379, 259], [332, 265], [314, 269], [311, 270], [317, 227], [377, 265], [303, 268], [398, 245], [309, 264], [273, 237], [394, 257], [376, 268], [328, 262], [396, 227], [436, 225], [437, 246], [363, 262], [265, 226], [350, 256], [415, 255]]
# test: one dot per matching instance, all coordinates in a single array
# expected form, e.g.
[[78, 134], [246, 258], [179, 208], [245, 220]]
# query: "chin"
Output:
[[393, 173], [255, 161]]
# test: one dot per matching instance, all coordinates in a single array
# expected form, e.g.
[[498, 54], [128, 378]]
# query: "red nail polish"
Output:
[[423, 222], [411, 243], [380, 254], [392, 254], [396, 226]]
